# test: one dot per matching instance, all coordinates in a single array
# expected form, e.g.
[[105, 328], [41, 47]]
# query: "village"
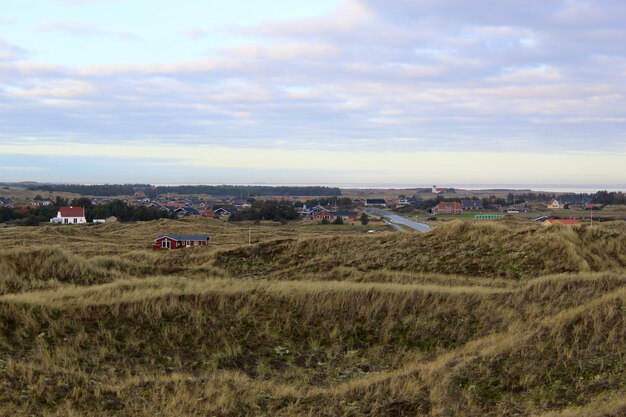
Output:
[[425, 207]]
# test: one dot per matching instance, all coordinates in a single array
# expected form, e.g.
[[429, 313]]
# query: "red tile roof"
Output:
[[72, 212], [455, 205]]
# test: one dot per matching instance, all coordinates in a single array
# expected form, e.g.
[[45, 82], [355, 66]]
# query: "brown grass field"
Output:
[[504, 318]]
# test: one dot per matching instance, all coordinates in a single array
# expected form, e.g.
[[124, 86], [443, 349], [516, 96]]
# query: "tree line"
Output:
[[280, 211]]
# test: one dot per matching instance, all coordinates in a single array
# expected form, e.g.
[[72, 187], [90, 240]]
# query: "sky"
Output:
[[411, 92]]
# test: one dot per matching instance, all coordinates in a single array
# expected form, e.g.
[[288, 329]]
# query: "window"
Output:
[[75, 220], [166, 244]]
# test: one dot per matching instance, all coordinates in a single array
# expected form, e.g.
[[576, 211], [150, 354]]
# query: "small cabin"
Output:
[[166, 242]]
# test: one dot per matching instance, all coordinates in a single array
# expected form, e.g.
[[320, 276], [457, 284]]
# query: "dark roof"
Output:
[[188, 210], [185, 237], [472, 203], [375, 201]]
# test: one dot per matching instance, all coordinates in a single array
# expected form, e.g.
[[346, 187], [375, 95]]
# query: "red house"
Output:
[[166, 242], [208, 213], [447, 207]]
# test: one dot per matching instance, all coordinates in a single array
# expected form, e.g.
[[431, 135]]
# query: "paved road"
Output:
[[399, 220]]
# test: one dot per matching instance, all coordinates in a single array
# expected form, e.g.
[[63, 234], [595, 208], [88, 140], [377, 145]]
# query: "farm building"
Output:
[[165, 242], [448, 207], [70, 215]]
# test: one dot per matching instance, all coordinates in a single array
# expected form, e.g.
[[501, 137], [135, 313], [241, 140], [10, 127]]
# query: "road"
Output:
[[396, 220]]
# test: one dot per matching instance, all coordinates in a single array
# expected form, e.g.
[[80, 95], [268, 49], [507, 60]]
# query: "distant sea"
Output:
[[559, 188]]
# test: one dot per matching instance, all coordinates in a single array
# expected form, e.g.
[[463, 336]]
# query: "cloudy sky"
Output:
[[326, 91]]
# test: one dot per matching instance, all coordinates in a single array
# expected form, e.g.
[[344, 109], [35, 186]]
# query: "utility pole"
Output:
[[250, 236], [592, 215]]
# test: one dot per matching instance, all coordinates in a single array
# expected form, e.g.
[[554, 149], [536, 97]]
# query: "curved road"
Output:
[[395, 220]]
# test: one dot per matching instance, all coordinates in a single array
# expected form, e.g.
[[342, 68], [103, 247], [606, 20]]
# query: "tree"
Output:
[[365, 219], [60, 202], [338, 220], [81, 202]]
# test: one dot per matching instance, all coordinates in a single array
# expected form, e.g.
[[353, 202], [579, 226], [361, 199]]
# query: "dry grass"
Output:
[[315, 323]]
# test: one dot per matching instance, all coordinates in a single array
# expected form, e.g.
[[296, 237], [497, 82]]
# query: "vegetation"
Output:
[[31, 216], [471, 319], [280, 211]]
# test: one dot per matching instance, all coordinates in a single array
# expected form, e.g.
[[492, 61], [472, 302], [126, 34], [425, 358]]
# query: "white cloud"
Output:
[[54, 89]]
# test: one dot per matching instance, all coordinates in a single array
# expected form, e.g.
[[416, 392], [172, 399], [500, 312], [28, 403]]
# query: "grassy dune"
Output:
[[468, 320]]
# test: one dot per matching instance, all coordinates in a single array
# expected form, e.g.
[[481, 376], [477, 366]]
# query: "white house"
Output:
[[70, 215], [554, 204]]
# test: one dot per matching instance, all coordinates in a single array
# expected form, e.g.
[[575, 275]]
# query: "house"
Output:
[[566, 222], [515, 209], [318, 209], [99, 201], [5, 201], [241, 203], [594, 206], [376, 202], [140, 193], [447, 207], [553, 203], [165, 242], [187, 211], [472, 204], [221, 211], [172, 207], [313, 211], [70, 215], [437, 190], [333, 215], [208, 214]]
